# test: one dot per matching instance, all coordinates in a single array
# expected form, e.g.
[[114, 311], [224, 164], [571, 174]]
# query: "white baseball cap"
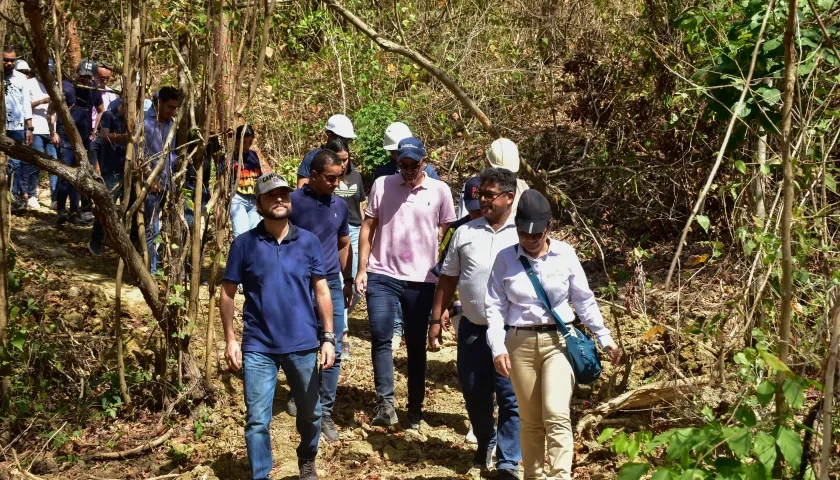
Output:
[[503, 153], [341, 126], [394, 134], [22, 66]]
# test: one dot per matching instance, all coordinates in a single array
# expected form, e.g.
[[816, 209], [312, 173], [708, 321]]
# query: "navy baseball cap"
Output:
[[86, 68], [412, 148], [471, 201], [533, 212]]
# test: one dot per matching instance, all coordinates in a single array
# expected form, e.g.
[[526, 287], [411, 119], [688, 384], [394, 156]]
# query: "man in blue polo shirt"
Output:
[[338, 126], [278, 266], [113, 137], [316, 209]]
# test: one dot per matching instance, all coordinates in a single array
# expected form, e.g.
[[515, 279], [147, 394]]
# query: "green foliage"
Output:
[[742, 444], [200, 421], [370, 123]]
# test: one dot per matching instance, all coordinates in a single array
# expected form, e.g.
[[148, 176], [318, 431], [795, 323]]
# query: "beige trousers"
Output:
[[543, 381]]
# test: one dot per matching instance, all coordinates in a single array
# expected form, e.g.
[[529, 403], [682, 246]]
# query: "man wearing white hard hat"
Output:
[[503, 153], [394, 134], [338, 127]]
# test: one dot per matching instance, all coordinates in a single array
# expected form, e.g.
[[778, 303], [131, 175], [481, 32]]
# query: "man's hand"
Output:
[[29, 137], [233, 355], [348, 294], [612, 350], [502, 364], [361, 283], [55, 139], [327, 355], [434, 338]]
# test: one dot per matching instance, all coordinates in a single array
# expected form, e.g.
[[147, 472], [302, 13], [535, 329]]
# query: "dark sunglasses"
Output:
[[410, 167], [490, 196], [9, 60]]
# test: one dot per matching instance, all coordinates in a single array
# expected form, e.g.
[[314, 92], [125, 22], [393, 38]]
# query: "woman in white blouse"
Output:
[[525, 341]]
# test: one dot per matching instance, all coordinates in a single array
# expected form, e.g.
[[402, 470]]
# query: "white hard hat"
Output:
[[22, 66], [503, 154], [395, 133], [341, 126]]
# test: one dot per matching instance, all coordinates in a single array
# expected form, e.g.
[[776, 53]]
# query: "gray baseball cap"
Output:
[[271, 181]]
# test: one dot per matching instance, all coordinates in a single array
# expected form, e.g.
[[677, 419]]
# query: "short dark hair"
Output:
[[323, 159], [9, 49], [168, 93], [504, 178], [105, 66], [337, 145], [245, 130]]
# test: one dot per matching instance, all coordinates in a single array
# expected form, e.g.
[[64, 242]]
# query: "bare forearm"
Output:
[[325, 305], [443, 295], [365, 242], [226, 307], [344, 256]]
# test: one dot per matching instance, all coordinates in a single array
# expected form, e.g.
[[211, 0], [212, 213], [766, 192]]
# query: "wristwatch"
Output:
[[31, 129], [435, 322], [329, 337]]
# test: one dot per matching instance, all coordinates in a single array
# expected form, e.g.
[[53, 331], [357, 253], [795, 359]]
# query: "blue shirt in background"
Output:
[[18, 106], [155, 134], [325, 216], [112, 155], [276, 278]]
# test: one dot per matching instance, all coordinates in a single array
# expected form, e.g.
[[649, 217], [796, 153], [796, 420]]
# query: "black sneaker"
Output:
[[484, 460], [291, 407], [78, 220], [508, 474], [385, 414], [94, 248], [328, 428], [307, 469], [413, 419], [62, 218]]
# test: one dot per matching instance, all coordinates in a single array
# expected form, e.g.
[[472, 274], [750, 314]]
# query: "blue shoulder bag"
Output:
[[583, 355]]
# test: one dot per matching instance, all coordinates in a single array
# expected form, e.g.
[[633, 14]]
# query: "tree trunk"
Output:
[[5, 241], [74, 44], [787, 205]]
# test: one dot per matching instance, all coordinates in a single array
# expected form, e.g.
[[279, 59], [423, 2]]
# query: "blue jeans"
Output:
[[354, 241], [329, 377], [43, 144], [64, 190], [243, 213], [259, 379], [113, 182], [384, 295], [479, 382], [20, 172], [151, 218]]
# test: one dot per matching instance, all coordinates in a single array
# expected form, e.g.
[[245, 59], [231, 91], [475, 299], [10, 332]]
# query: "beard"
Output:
[[278, 212]]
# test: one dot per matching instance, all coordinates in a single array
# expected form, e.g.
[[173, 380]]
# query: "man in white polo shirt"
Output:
[[468, 263], [405, 215]]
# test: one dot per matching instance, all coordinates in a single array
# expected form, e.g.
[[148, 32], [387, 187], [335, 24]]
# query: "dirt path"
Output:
[[212, 436]]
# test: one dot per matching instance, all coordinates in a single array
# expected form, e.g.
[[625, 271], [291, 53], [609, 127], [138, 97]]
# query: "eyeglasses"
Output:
[[9, 60], [489, 196], [411, 167]]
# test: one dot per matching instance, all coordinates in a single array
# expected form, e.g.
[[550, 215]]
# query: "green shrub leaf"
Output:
[[633, 471], [791, 446]]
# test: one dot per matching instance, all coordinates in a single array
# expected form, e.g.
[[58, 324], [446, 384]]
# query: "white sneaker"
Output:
[[33, 204], [471, 436], [87, 216], [396, 340]]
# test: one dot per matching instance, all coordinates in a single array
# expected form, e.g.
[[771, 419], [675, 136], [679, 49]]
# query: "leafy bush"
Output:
[[370, 123]]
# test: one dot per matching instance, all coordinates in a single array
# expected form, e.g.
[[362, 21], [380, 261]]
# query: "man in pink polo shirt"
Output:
[[398, 247]]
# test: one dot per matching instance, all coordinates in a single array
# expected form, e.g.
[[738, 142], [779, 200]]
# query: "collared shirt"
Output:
[[512, 300], [155, 134], [405, 245], [472, 250], [18, 104], [324, 215], [277, 280]]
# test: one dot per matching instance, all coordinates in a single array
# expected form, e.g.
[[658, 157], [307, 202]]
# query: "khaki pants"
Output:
[[543, 381]]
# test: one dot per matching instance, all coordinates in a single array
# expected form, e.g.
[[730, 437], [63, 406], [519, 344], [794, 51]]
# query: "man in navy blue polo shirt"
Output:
[[278, 265], [316, 209]]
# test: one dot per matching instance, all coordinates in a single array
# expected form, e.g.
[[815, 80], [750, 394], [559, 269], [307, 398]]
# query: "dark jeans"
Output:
[[21, 173], [113, 181], [479, 382], [259, 379], [383, 293], [152, 221], [43, 144], [64, 190], [329, 377]]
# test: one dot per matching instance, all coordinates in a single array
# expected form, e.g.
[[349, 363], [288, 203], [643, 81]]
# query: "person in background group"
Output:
[[18, 126], [89, 101], [279, 266], [43, 123], [114, 135], [398, 247], [315, 209], [338, 127], [524, 339], [469, 259], [351, 190], [243, 206], [80, 101], [503, 153], [101, 77], [157, 123]]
